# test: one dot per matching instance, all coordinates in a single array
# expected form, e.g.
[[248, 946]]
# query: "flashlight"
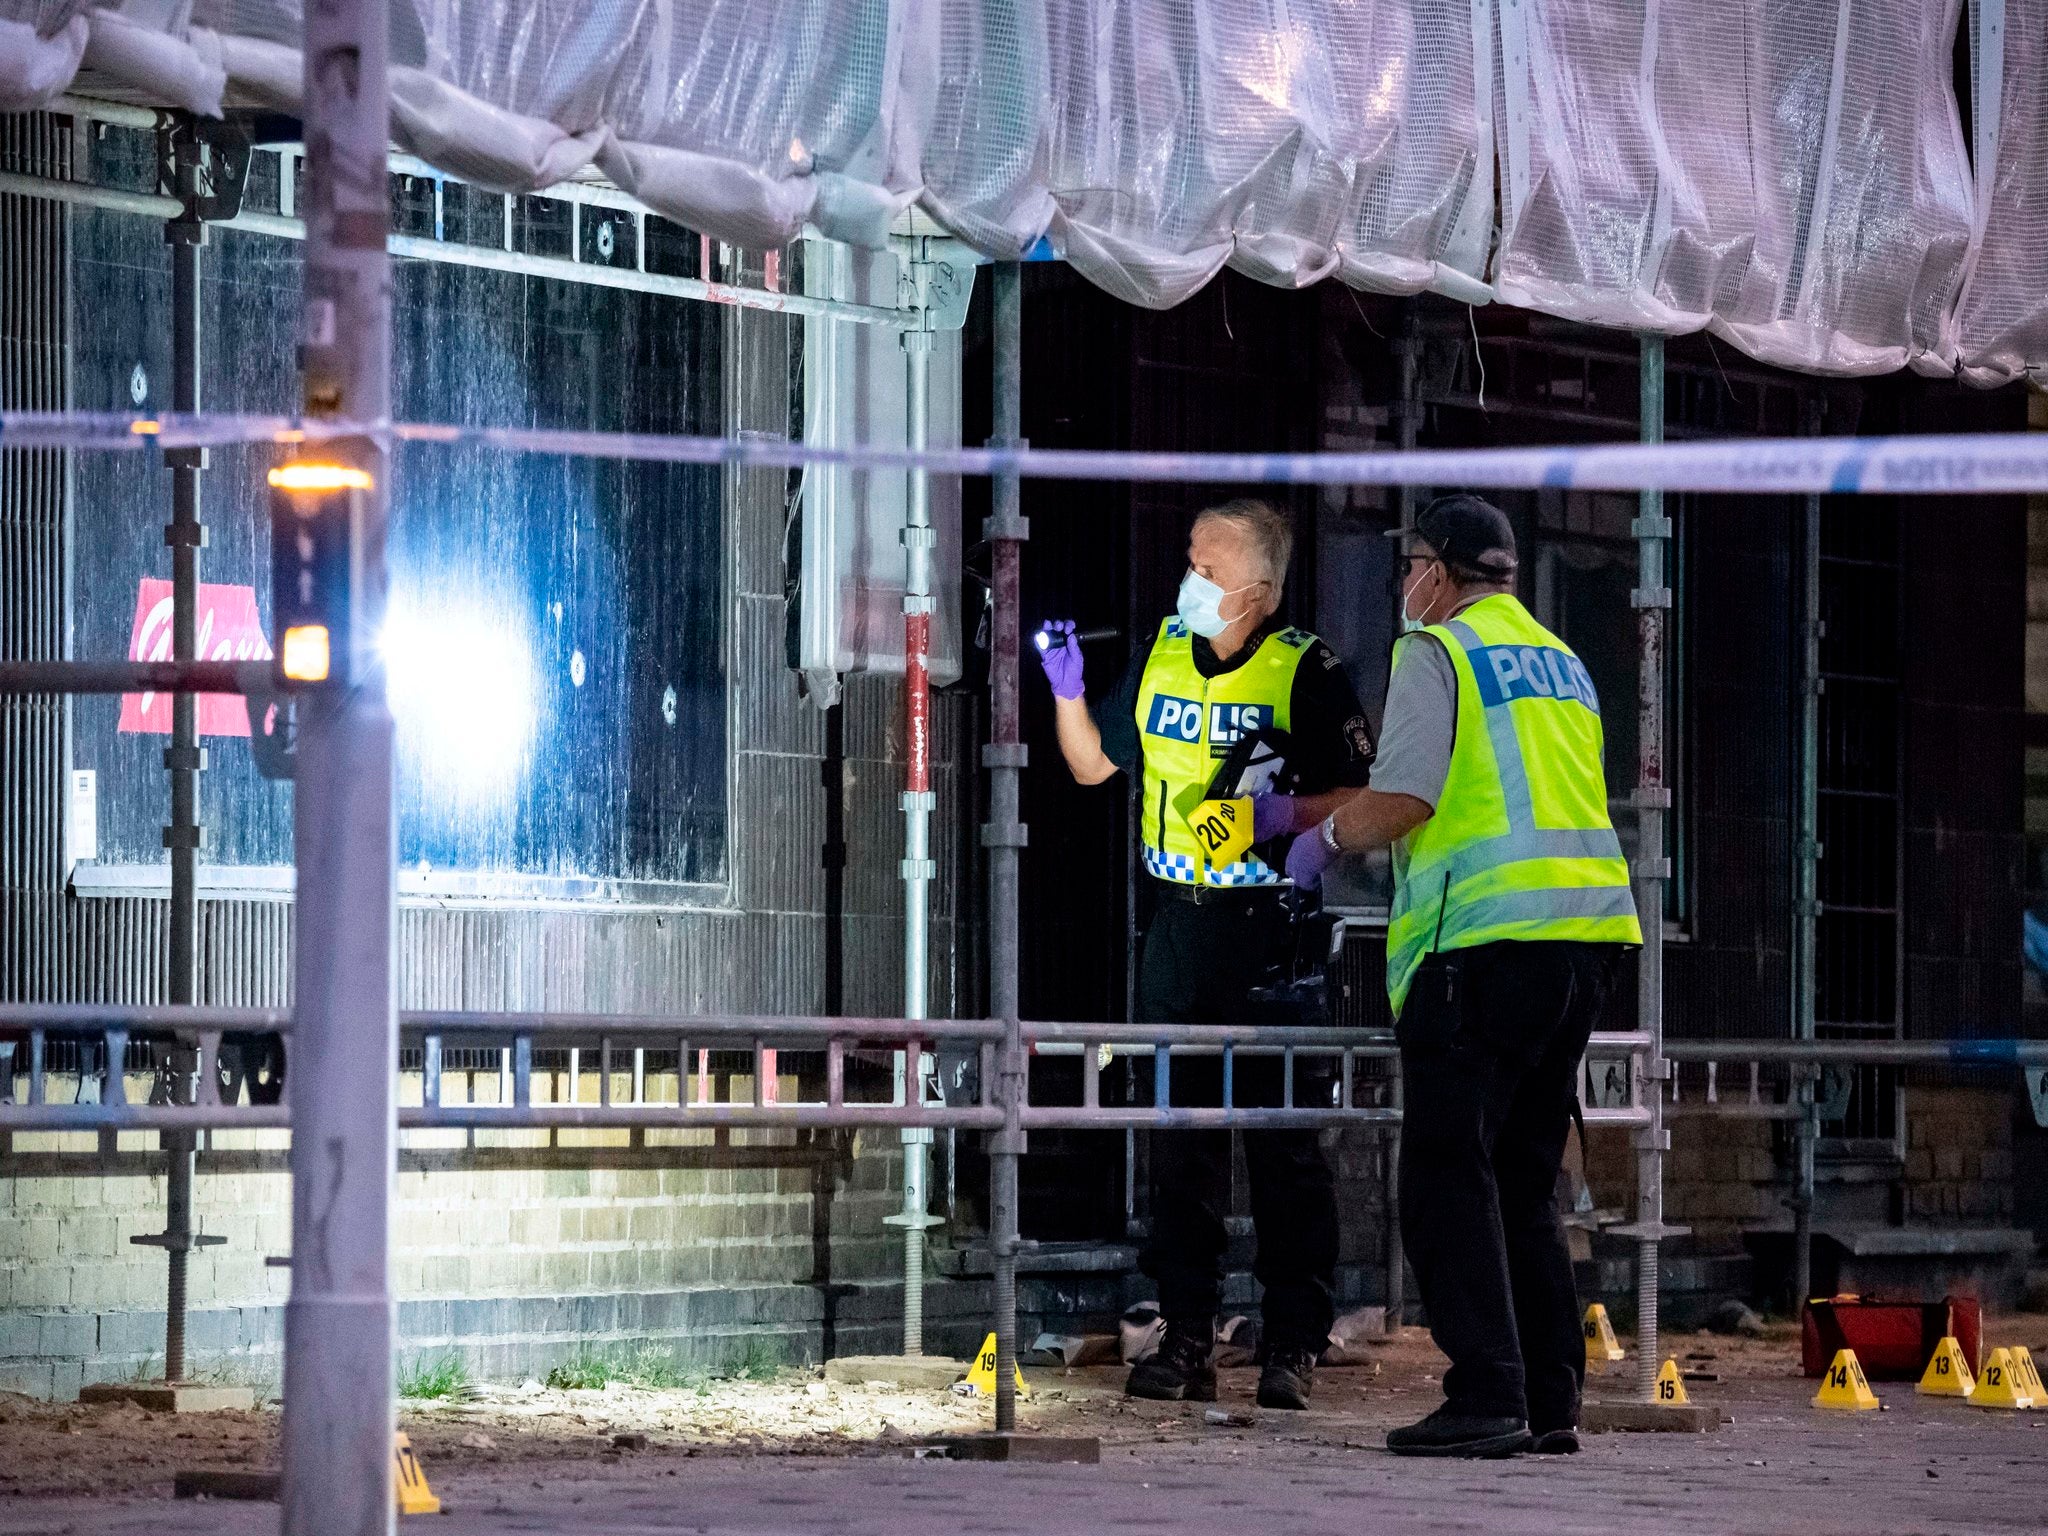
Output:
[[1043, 639]]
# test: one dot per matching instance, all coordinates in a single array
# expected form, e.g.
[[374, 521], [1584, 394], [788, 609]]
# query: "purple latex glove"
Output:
[[1272, 816], [1060, 654], [1308, 857]]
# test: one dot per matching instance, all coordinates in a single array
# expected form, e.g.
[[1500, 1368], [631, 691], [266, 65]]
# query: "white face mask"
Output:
[[1201, 605], [1409, 622]]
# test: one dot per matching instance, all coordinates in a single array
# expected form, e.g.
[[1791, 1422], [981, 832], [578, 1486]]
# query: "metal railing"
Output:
[[612, 1048], [1772, 1080]]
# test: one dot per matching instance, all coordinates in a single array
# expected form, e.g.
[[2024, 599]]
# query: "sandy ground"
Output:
[[528, 1431]]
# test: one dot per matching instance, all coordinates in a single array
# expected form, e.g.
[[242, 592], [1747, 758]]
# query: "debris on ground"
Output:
[[59, 1448]]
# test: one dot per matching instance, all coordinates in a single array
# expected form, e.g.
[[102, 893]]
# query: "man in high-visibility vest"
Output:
[[1511, 912], [1222, 680]]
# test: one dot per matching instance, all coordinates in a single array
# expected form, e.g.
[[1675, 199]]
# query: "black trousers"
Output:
[[1197, 965], [1490, 1042]]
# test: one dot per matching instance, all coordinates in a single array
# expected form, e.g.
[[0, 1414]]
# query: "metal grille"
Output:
[[34, 375], [1859, 943]]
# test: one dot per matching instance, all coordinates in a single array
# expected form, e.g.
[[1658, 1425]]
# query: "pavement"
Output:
[[1774, 1465]]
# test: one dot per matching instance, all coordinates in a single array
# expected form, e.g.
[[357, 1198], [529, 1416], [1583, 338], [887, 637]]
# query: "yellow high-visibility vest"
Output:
[[1521, 846], [1187, 724]]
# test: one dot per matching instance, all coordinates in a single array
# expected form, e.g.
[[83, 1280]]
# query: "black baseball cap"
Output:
[[1468, 533]]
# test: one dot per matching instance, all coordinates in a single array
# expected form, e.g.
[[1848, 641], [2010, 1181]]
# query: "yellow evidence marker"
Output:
[[981, 1379], [1948, 1373], [2003, 1384], [2023, 1362], [1224, 827], [1670, 1390], [1601, 1344], [414, 1496], [1845, 1385]]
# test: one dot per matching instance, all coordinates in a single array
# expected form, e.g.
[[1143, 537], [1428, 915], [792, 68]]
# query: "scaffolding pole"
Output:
[[339, 1416], [1005, 836], [1407, 430], [919, 868], [1652, 868], [1806, 899], [184, 759]]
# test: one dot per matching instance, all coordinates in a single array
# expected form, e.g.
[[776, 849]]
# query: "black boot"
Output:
[[1287, 1379], [1180, 1370], [1555, 1442], [1450, 1433]]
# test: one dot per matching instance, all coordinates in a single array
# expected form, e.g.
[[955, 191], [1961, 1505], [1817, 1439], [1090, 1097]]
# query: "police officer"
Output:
[[1220, 669], [1511, 910]]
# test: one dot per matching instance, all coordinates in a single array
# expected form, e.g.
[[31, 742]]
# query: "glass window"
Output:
[[555, 653]]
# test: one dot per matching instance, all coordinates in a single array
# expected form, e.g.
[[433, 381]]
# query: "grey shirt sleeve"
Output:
[[1421, 722]]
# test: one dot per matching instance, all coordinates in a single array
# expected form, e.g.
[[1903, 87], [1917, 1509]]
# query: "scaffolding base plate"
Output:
[[262, 1487], [1606, 1418], [1085, 1449], [170, 1396], [935, 1371]]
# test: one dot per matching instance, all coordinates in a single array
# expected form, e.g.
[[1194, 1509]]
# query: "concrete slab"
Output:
[[934, 1371], [171, 1397], [1606, 1418]]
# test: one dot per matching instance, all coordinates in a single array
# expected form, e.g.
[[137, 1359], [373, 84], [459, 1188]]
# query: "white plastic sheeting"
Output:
[[41, 45], [852, 557], [2002, 323], [130, 50], [1289, 138], [1790, 173]]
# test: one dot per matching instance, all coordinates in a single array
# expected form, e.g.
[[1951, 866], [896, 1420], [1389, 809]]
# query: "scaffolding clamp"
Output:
[[1650, 597], [1005, 834]]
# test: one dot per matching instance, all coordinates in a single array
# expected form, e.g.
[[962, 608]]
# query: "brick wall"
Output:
[[1959, 1156], [698, 1245], [507, 1252]]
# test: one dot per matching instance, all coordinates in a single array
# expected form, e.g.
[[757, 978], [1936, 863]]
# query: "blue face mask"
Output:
[[1201, 605]]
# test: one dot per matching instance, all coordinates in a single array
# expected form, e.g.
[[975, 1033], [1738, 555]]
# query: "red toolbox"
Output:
[[1893, 1340]]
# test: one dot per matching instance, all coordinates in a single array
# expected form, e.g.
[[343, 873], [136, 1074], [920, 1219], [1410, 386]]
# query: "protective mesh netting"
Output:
[[1790, 173], [2001, 326]]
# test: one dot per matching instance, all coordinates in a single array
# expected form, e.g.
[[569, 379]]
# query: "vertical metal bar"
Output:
[[918, 866], [604, 1070], [522, 1070], [1091, 1076], [1652, 600], [1229, 1077], [835, 1073], [1407, 424], [184, 759], [1005, 835], [1287, 1077], [833, 854], [1806, 898], [339, 1416], [639, 1074], [114, 1085], [430, 1071]]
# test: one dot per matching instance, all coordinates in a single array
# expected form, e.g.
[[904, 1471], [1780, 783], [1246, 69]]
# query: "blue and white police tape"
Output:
[[1953, 464]]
